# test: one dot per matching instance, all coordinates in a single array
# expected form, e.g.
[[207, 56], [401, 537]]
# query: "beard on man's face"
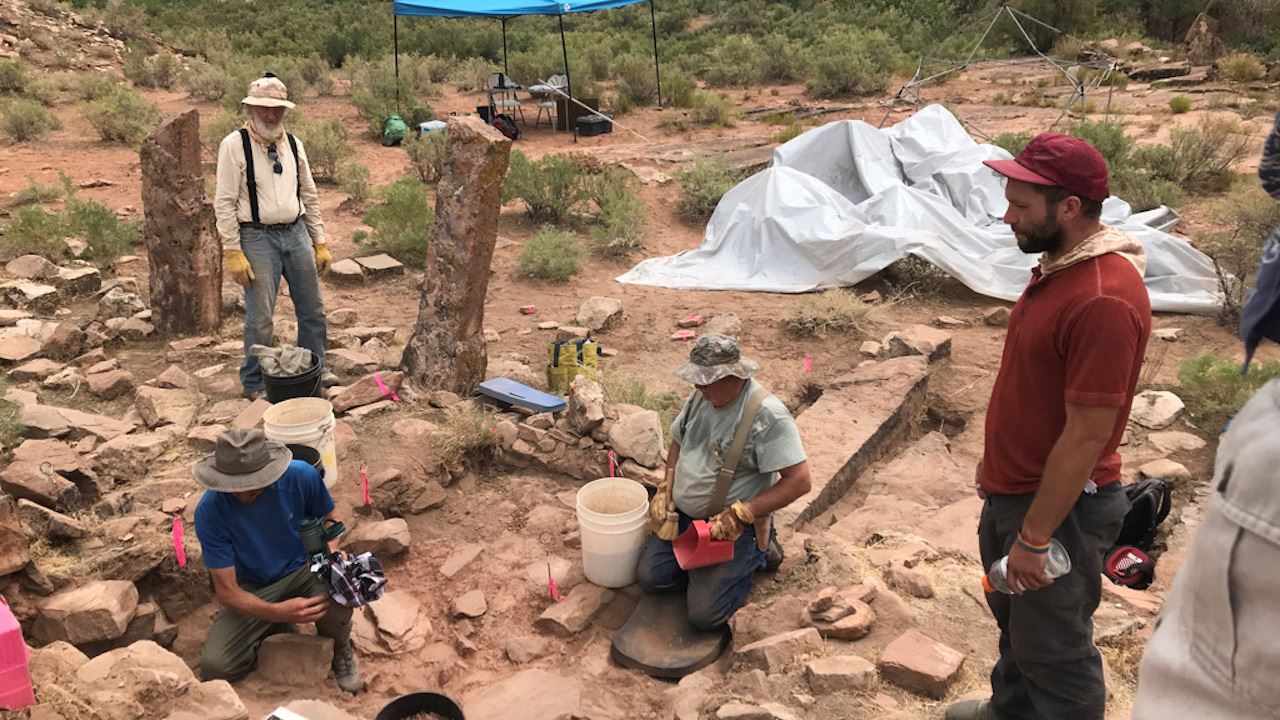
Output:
[[271, 130], [1042, 237]]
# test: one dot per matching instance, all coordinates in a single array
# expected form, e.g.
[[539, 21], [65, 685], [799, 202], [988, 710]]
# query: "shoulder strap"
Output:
[[250, 176], [734, 456], [297, 166]]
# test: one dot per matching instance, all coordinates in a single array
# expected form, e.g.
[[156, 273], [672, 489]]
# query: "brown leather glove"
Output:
[[729, 524], [663, 520]]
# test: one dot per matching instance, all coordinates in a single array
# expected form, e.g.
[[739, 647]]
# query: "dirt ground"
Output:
[[494, 507]]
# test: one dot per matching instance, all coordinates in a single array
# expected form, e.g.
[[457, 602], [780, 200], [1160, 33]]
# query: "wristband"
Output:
[[1032, 547]]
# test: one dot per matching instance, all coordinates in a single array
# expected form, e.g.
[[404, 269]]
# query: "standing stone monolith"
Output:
[[183, 247], [447, 349]]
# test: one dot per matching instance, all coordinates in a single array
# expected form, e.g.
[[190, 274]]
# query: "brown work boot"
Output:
[[345, 668], [970, 710]]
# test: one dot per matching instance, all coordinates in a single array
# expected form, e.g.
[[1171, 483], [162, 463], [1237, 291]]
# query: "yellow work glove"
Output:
[[663, 520], [728, 525], [235, 264], [324, 260]]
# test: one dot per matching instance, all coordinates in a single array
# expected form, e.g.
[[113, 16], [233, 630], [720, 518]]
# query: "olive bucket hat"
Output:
[[242, 461], [713, 357]]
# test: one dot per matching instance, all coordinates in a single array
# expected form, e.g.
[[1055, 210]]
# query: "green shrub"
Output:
[[401, 222], [150, 71], [465, 435], [714, 109], [737, 61], [121, 18], [353, 178], [1144, 191], [426, 155], [678, 90], [123, 116], [853, 62], [13, 77], [214, 131], [1197, 159], [551, 254], [782, 59], [26, 120], [11, 427], [623, 219], [636, 79], [438, 68], [471, 74], [205, 82], [316, 73], [598, 58], [1179, 104], [1241, 67], [632, 390], [32, 230], [92, 86], [45, 90], [788, 132], [620, 104], [107, 236], [553, 187], [1247, 215], [1014, 142], [35, 193], [839, 311], [702, 186], [325, 143], [1108, 137], [1214, 389]]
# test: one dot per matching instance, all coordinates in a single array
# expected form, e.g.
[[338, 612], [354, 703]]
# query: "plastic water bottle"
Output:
[[1059, 564]]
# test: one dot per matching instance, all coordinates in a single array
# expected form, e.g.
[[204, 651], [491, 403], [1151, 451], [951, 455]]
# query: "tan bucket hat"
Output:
[[268, 91], [242, 461]]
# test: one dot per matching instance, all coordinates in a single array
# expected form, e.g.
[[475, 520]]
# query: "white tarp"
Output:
[[846, 200]]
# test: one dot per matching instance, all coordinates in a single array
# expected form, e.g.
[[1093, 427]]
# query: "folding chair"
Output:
[[547, 101], [502, 96]]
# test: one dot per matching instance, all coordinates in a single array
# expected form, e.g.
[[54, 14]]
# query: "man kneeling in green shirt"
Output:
[[770, 473]]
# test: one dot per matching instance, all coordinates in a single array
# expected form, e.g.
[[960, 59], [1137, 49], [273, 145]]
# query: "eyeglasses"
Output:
[[275, 158]]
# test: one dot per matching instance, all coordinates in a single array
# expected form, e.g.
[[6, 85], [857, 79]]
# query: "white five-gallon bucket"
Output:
[[611, 519], [305, 421]]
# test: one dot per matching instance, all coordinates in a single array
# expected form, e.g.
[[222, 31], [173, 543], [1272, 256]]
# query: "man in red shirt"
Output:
[[1058, 410]]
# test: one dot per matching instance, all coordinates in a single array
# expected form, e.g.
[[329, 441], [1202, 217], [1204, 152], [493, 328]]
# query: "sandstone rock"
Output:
[[1167, 334], [571, 615], [744, 711], [526, 648], [649, 477], [349, 362], [724, 325], [539, 695], [492, 336], [920, 664], [55, 663], [110, 385], [469, 605], [64, 343], [46, 421], [205, 437], [380, 265], [346, 272], [1173, 441], [50, 523], [174, 378], [37, 369], [586, 405], [443, 399], [1156, 409], [37, 482], [773, 653], [99, 610], [23, 295], [158, 406], [410, 428], [213, 700], [852, 620], [129, 456], [17, 348], [120, 303], [870, 348], [15, 544], [130, 328], [77, 281], [431, 497], [399, 622], [947, 321], [10, 317], [295, 659], [548, 325], [384, 538], [31, 267], [1165, 469], [600, 313], [251, 415], [130, 676], [930, 342], [638, 436], [65, 379], [572, 332], [910, 581], [366, 391], [996, 317], [459, 559], [839, 674]]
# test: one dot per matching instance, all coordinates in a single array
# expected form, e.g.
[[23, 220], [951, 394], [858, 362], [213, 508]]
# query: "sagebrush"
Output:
[[701, 187], [466, 434], [27, 120], [1214, 389], [124, 116], [426, 155], [554, 187], [623, 219], [834, 311], [551, 254], [401, 222], [325, 143]]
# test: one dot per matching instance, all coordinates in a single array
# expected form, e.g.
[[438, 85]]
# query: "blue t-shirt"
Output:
[[261, 540]]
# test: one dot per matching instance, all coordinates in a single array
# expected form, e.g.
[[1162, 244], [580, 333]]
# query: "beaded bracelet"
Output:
[[1032, 547]]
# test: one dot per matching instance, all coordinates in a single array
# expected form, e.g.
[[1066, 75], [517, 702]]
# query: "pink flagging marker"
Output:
[[613, 464], [364, 484], [808, 363], [386, 392], [178, 533], [551, 586]]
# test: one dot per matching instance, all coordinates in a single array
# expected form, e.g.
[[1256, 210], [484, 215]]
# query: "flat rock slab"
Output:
[[919, 663], [459, 559], [574, 613], [774, 653], [659, 640], [852, 425], [529, 695], [100, 610], [295, 659], [381, 265]]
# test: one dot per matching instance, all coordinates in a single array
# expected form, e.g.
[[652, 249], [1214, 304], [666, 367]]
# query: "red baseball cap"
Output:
[[1061, 161]]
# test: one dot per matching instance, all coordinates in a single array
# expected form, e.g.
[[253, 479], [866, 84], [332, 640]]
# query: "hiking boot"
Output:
[[345, 668], [328, 379], [252, 394], [970, 710], [775, 554]]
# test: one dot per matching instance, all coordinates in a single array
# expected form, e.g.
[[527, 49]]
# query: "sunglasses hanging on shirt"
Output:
[[274, 156]]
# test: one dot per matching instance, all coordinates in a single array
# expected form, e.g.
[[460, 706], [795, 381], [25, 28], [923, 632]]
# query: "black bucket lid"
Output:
[[406, 706]]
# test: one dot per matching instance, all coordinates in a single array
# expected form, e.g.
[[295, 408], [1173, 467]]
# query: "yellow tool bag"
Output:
[[569, 359]]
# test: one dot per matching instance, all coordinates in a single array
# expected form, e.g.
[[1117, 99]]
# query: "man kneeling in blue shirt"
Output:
[[248, 524]]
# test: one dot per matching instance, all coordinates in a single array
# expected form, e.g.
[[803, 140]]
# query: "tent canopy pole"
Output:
[[568, 79], [505, 70], [395, 34], [657, 74]]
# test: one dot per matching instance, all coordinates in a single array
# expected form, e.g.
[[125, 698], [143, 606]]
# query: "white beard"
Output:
[[271, 131]]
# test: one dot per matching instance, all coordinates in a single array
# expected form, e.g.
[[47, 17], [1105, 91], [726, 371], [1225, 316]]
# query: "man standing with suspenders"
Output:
[[268, 216], [735, 458]]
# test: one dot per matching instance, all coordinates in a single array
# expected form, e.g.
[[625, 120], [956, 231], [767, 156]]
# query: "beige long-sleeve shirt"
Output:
[[278, 201]]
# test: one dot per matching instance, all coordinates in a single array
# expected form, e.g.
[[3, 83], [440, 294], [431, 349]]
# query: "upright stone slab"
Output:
[[447, 349], [183, 246]]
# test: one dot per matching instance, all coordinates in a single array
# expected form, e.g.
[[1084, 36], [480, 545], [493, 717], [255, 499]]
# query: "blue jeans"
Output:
[[715, 592], [274, 254]]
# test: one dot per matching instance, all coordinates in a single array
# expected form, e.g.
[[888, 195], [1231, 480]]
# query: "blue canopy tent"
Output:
[[503, 9]]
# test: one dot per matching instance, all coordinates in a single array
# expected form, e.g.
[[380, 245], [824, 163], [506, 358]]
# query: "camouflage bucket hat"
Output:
[[714, 357]]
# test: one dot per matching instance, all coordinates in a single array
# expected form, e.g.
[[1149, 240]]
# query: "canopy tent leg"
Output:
[[568, 80], [505, 70], [395, 34], [657, 74]]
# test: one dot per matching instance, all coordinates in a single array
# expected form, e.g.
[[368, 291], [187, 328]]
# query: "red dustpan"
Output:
[[694, 547]]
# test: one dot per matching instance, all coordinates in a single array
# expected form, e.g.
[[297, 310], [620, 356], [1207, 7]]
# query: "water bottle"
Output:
[[1059, 564]]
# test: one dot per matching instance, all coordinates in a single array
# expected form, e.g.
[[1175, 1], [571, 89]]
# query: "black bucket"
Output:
[[304, 384], [406, 706], [485, 112], [308, 455]]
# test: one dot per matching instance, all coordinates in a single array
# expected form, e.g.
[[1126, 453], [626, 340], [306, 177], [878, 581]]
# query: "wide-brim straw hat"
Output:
[[268, 92], [242, 461], [714, 357]]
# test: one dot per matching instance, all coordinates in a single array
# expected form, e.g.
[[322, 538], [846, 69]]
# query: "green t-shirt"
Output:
[[705, 433]]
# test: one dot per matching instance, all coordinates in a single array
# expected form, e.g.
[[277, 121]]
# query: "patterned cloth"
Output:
[[352, 580], [1269, 167]]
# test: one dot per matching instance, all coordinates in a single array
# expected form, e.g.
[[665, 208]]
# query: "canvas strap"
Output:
[[731, 459]]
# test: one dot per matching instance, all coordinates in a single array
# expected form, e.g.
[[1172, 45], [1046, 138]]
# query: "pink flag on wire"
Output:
[[613, 463], [178, 534], [808, 363], [551, 586], [364, 484]]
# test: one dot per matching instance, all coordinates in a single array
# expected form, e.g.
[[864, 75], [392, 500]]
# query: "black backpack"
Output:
[[506, 125], [1150, 501]]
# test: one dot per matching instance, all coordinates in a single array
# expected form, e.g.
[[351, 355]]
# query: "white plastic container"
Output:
[[305, 421], [611, 520]]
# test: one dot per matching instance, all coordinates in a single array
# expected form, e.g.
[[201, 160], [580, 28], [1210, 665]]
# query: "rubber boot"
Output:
[[970, 710], [346, 670]]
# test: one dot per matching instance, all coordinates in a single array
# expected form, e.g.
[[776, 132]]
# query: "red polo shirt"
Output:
[[1078, 335]]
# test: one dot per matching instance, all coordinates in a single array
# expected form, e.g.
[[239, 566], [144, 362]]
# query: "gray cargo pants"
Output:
[[1049, 668]]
